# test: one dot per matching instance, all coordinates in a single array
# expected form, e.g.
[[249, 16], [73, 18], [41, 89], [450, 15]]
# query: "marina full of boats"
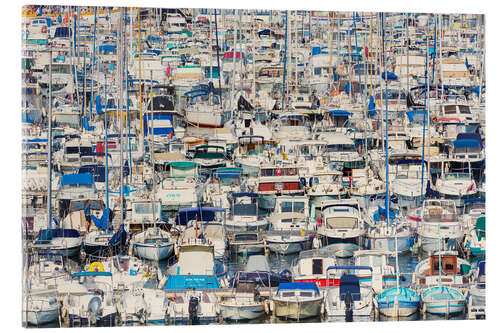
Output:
[[196, 166]]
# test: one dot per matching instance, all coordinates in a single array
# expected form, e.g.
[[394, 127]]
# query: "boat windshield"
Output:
[[146, 208], [373, 261], [342, 222], [334, 148], [293, 206], [245, 210], [457, 176]]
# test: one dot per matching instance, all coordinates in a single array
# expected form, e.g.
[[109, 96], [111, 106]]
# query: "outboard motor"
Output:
[[193, 310], [349, 293]]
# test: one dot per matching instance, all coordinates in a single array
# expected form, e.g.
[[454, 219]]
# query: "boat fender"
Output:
[[96, 266]]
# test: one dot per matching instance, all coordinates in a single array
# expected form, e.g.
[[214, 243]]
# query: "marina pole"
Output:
[[49, 164]]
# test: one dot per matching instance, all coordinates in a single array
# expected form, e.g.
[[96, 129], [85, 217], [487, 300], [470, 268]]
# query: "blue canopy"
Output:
[[298, 286], [339, 113], [77, 179], [245, 194], [350, 284], [466, 143], [203, 213]]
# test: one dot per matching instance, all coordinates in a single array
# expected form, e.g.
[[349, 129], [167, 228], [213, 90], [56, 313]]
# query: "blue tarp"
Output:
[[339, 113], [77, 179], [203, 213], [383, 212], [298, 286], [471, 136], [99, 172], [350, 284]]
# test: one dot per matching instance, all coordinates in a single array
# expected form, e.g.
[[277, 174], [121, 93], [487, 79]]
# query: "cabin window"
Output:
[[288, 294], [306, 293], [317, 266]]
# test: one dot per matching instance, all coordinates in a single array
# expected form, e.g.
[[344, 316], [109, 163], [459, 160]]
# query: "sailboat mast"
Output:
[[387, 201], [120, 108], [49, 137], [284, 64]]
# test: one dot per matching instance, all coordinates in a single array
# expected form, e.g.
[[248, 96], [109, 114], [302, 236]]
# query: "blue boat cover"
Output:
[[350, 284], [339, 113], [390, 76], [481, 264], [410, 161], [471, 136], [120, 237], [77, 179], [203, 213], [470, 200], [298, 286], [245, 194], [46, 235], [466, 143]]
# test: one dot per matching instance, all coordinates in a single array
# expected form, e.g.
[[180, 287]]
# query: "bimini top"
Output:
[[77, 179], [298, 286], [203, 213]]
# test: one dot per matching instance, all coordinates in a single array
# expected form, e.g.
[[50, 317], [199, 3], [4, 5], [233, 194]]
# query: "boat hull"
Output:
[[297, 310], [237, 312], [152, 252]]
